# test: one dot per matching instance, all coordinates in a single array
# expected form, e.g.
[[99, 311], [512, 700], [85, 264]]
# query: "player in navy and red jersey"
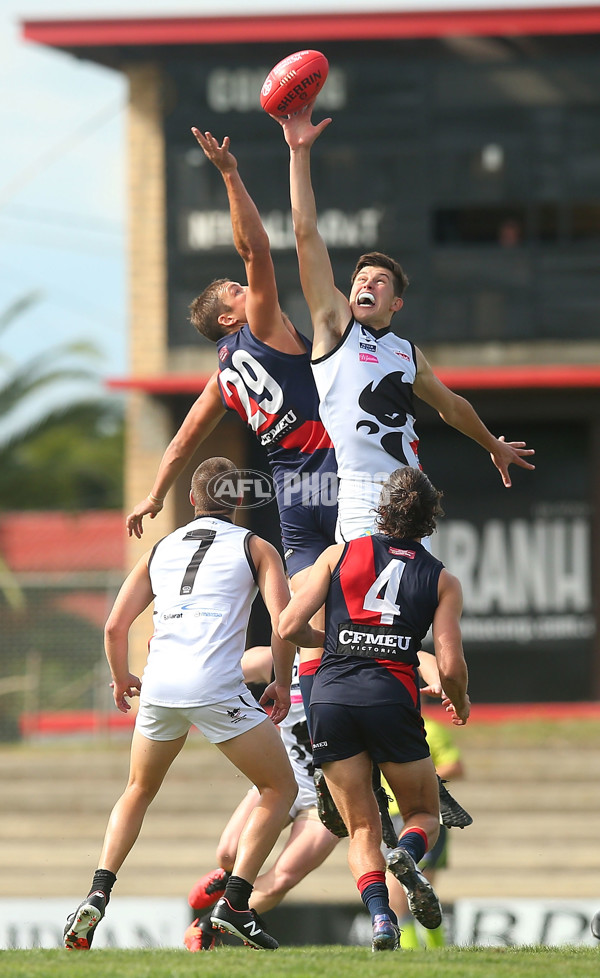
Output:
[[382, 593], [274, 394], [265, 375]]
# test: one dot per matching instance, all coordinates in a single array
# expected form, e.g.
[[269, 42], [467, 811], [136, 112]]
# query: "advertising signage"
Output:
[[524, 559]]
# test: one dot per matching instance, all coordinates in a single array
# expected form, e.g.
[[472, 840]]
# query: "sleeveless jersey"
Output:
[[274, 394], [381, 602], [203, 579], [366, 402]]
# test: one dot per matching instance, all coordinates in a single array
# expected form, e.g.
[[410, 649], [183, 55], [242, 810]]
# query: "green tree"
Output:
[[70, 457]]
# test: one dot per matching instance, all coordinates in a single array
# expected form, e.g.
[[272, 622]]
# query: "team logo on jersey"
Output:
[[401, 353], [396, 552], [279, 430], [374, 642], [367, 358], [223, 354]]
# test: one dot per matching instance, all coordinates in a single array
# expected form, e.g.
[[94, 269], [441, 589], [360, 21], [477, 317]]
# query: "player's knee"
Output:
[[225, 857]]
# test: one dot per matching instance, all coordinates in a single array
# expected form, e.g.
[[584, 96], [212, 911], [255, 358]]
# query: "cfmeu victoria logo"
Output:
[[244, 488]]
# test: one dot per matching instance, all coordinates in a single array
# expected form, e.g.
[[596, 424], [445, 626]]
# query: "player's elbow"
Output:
[[287, 626]]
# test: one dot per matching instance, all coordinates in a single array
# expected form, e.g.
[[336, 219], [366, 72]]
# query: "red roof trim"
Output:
[[165, 384], [457, 378], [140, 32], [547, 375]]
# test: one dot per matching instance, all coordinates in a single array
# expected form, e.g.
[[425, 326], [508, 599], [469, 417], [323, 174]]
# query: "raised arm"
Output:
[[329, 308], [275, 591], [264, 314], [460, 414], [447, 641], [200, 420]]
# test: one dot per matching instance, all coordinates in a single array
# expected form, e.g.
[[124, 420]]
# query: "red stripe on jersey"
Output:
[[232, 400], [404, 673], [309, 667], [310, 436], [357, 573]]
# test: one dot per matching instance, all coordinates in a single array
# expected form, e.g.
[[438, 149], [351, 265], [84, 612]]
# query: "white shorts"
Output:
[[357, 504], [357, 501], [218, 722], [307, 795]]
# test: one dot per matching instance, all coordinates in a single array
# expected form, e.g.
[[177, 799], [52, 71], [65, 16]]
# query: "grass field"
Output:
[[307, 962]]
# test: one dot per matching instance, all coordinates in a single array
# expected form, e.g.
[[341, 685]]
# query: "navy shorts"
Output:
[[388, 732], [306, 531]]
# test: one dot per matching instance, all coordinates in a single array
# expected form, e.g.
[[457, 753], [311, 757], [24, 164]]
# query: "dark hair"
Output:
[[375, 259], [206, 309], [215, 486], [409, 505]]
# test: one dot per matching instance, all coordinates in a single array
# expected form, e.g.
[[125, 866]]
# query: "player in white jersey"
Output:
[[364, 373], [308, 844], [202, 579]]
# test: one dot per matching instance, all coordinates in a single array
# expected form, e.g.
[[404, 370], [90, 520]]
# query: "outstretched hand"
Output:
[[298, 128], [135, 519], [220, 155], [510, 453]]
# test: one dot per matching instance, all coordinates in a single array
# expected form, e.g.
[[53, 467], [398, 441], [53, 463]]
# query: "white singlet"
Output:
[[203, 579], [366, 404]]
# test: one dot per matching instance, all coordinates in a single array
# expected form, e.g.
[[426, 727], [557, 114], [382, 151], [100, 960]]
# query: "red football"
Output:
[[294, 82]]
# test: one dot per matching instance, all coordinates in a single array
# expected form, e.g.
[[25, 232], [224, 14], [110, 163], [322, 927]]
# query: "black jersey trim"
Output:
[[375, 333], [339, 343], [251, 563]]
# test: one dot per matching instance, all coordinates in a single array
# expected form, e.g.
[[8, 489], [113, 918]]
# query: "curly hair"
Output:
[[409, 505], [206, 309], [376, 259]]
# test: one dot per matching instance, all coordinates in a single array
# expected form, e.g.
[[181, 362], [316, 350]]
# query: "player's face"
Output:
[[234, 296], [372, 298]]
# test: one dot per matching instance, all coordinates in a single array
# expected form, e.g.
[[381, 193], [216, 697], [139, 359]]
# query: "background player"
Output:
[[203, 578], [308, 844]]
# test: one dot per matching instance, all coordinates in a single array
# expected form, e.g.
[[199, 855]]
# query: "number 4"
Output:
[[388, 583]]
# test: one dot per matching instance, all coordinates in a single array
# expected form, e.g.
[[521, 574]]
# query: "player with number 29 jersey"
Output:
[[275, 395]]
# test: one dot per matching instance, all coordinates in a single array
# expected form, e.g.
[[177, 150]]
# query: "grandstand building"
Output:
[[465, 142]]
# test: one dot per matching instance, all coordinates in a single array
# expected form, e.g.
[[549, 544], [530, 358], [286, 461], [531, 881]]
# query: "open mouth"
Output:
[[365, 299]]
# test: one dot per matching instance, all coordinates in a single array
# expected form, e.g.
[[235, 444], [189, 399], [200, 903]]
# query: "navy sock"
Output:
[[238, 892], [374, 894], [414, 840]]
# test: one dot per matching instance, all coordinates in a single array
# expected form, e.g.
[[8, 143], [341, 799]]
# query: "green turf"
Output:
[[306, 962]]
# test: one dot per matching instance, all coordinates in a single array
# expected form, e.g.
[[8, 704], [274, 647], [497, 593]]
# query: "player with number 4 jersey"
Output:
[[382, 593]]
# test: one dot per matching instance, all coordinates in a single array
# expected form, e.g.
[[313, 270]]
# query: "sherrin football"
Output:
[[294, 82]]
